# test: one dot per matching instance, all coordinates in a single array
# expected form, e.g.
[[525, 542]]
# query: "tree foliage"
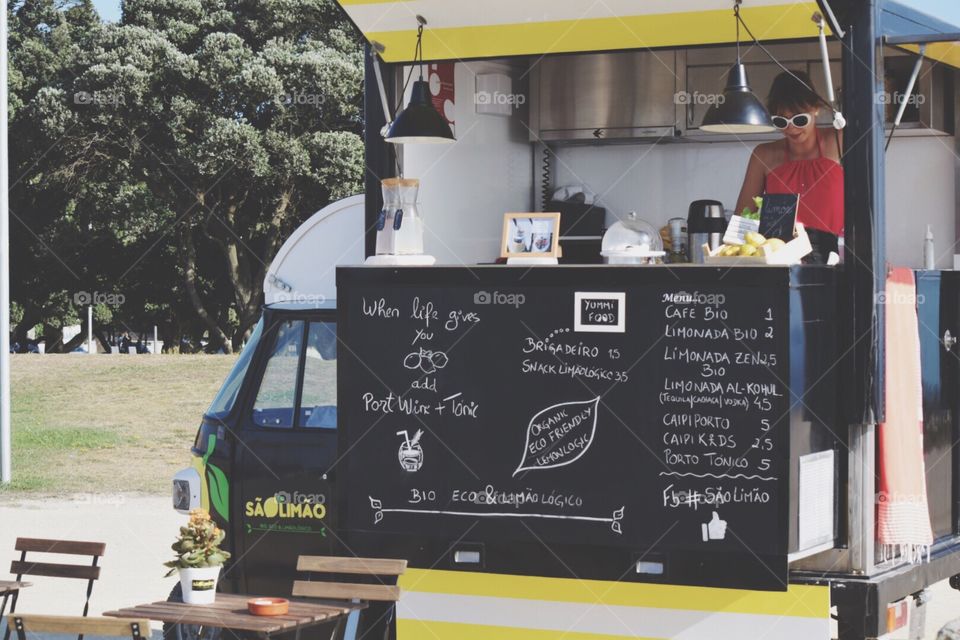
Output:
[[166, 158]]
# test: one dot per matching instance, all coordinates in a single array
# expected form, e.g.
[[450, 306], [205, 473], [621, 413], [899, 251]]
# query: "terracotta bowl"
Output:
[[268, 606]]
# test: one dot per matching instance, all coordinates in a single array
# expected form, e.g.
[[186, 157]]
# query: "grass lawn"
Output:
[[105, 424]]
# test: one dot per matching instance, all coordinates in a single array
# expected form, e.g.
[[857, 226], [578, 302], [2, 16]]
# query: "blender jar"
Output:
[[400, 227]]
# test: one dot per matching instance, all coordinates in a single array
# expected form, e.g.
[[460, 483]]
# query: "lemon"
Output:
[[729, 250], [748, 250], [754, 238], [771, 246]]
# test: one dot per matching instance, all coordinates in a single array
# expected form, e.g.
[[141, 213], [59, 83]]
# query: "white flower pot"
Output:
[[199, 586]]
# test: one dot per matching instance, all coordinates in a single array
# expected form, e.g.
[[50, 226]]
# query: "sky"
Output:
[[108, 9], [948, 10]]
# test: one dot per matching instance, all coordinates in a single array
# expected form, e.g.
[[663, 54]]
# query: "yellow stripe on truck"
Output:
[[799, 600], [945, 52], [536, 37], [463, 605], [444, 630]]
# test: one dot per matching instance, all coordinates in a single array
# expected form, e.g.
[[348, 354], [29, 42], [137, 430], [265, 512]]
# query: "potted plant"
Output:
[[199, 558]]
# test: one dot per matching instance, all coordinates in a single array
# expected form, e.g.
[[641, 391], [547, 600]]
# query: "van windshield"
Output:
[[227, 395]]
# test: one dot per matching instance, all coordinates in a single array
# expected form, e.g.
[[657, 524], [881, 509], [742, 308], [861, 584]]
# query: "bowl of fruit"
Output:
[[758, 250]]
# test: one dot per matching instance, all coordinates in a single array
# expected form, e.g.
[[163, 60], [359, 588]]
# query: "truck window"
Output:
[[227, 396], [319, 398], [276, 398]]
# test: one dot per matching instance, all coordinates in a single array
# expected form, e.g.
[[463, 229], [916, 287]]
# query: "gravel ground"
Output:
[[137, 530]]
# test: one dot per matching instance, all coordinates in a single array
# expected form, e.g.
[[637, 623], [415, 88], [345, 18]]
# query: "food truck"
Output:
[[595, 440]]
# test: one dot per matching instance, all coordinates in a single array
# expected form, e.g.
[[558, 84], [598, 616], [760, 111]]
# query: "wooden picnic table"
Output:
[[9, 587], [230, 612]]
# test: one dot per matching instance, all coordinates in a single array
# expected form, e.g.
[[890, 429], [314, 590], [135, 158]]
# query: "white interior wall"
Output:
[[467, 186], [657, 181], [920, 191], [660, 181]]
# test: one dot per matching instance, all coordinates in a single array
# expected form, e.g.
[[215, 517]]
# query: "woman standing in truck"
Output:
[[805, 161]]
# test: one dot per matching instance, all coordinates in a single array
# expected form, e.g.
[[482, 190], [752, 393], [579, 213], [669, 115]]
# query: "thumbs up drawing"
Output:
[[716, 529]]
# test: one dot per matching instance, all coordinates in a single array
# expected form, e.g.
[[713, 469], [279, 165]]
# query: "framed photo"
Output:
[[530, 235]]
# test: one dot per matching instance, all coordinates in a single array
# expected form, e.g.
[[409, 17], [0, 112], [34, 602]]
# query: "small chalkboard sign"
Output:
[[778, 215], [599, 312]]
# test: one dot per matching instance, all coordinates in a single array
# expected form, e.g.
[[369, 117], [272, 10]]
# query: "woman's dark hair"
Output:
[[787, 94]]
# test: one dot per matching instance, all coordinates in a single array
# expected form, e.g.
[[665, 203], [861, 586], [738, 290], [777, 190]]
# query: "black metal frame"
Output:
[[865, 260], [379, 156]]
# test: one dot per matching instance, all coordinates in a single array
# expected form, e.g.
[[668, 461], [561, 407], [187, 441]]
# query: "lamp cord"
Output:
[[417, 57], [736, 12]]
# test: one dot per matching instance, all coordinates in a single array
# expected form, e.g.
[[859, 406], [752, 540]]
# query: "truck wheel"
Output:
[[173, 631]]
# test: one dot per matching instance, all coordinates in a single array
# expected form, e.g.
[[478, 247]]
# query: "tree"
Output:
[[191, 139], [49, 240]]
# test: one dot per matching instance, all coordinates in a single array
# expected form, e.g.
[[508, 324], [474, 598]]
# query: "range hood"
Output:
[[662, 96], [600, 97]]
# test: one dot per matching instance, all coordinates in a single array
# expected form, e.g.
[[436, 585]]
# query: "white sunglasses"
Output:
[[800, 121]]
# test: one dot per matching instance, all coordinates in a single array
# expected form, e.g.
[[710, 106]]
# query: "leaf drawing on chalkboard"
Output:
[[559, 435], [615, 521], [377, 507]]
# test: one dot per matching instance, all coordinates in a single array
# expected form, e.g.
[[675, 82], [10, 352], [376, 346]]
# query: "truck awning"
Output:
[[906, 23], [467, 29]]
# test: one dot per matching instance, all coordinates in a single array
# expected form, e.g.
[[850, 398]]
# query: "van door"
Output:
[[287, 445]]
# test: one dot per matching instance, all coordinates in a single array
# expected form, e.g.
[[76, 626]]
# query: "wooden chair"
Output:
[[24, 567], [30, 623], [357, 579]]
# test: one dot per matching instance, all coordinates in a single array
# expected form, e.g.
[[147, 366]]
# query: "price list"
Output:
[[721, 394]]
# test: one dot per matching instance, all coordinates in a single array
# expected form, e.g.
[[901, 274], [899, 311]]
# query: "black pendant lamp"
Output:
[[740, 111], [419, 122]]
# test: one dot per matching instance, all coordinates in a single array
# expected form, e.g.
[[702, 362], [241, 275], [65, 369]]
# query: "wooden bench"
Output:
[[25, 567], [30, 623], [375, 579]]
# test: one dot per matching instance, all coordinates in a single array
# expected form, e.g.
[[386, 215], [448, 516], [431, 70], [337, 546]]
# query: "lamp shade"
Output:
[[740, 111], [419, 121]]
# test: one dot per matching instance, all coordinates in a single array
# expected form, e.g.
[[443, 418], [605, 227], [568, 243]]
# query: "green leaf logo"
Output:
[[219, 490]]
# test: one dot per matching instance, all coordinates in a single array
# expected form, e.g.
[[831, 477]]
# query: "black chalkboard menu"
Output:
[[778, 215], [587, 422]]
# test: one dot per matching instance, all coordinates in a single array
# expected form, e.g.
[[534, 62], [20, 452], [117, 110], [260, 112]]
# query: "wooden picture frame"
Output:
[[523, 235]]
